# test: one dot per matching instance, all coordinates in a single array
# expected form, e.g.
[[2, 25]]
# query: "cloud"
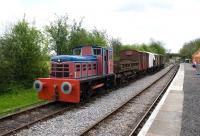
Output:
[[172, 21], [142, 5]]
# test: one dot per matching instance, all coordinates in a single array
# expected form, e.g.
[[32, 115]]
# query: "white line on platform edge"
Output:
[[152, 117]]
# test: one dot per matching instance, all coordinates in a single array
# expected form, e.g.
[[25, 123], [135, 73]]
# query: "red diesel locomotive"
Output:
[[75, 76]]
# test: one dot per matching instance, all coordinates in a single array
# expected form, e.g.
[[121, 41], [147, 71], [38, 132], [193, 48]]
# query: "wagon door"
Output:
[[141, 61]]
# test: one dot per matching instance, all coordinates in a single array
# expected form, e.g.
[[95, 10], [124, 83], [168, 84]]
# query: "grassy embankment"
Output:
[[17, 100]]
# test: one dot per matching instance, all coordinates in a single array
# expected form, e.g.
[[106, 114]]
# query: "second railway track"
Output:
[[131, 115], [15, 122]]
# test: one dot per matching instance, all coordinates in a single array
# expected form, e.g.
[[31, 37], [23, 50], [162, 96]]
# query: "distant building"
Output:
[[173, 57], [196, 56]]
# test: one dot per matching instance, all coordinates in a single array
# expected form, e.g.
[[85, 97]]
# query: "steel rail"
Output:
[[151, 108], [122, 105], [24, 123], [24, 110]]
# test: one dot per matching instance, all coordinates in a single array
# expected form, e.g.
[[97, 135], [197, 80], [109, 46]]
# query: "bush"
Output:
[[23, 55]]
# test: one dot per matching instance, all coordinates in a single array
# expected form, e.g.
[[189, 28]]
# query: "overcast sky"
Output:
[[173, 22]]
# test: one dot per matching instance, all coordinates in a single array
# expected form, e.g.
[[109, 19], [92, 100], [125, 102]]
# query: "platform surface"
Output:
[[178, 112]]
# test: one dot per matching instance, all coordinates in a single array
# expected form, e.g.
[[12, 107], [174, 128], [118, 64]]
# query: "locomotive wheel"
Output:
[[86, 95], [109, 84]]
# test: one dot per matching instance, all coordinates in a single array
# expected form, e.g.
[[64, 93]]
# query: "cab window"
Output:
[[89, 66], [97, 51], [78, 67], [84, 67], [77, 51], [94, 66]]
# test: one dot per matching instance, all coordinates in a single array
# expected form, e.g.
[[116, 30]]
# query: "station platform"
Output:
[[178, 112]]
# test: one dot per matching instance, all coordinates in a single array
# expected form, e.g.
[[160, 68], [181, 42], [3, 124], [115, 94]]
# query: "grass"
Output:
[[17, 100]]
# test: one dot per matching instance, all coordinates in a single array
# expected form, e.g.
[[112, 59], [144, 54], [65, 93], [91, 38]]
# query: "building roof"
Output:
[[198, 51]]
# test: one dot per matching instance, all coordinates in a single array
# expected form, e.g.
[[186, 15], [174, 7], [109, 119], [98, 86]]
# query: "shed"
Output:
[[196, 57]]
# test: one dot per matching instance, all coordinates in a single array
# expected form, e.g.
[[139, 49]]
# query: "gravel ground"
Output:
[[123, 122], [191, 111], [75, 121]]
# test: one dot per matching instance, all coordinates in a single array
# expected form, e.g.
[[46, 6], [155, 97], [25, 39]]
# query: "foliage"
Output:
[[116, 45], [22, 55], [153, 46], [131, 47], [64, 36], [190, 48], [97, 37], [144, 47], [78, 35], [58, 32], [157, 47]]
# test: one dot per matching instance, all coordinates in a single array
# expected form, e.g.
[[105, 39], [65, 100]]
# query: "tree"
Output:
[[157, 47], [144, 47], [116, 44], [97, 37], [190, 48], [63, 37], [58, 32], [23, 55], [78, 36]]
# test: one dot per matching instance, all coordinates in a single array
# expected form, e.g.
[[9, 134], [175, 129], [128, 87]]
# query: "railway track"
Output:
[[24, 119], [139, 123], [144, 118], [20, 120]]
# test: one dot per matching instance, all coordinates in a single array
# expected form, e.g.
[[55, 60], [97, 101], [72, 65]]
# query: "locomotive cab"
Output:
[[104, 57]]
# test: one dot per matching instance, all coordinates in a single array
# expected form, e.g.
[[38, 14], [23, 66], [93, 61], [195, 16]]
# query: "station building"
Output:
[[196, 57]]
